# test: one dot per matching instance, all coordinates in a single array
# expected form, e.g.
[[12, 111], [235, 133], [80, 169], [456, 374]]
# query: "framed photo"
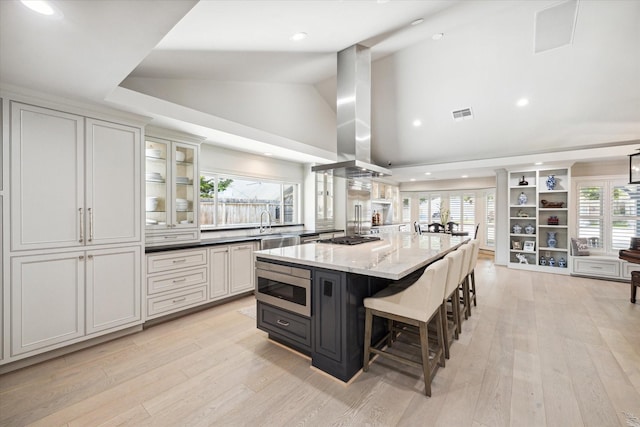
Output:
[[634, 168], [516, 244], [529, 245]]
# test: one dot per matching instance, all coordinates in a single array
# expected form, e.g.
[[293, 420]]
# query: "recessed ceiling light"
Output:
[[43, 7], [537, 163], [298, 36], [417, 21], [382, 1], [427, 173], [268, 154], [465, 176], [437, 36], [417, 123], [522, 102], [412, 179]]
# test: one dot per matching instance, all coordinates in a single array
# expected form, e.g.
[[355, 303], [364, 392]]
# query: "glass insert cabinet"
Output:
[[172, 190]]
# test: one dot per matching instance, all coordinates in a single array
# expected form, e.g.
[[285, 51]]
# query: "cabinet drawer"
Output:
[[280, 322], [173, 260], [166, 239], [594, 267], [176, 301], [177, 280]]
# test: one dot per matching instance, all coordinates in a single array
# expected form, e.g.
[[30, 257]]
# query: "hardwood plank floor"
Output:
[[538, 350]]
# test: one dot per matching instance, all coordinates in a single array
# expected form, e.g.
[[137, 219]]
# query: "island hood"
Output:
[[353, 113]]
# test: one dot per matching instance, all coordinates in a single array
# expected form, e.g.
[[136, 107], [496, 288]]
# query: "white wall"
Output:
[[601, 168], [294, 111]]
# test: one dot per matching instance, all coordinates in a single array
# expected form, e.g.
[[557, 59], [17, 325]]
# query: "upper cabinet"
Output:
[[385, 201], [324, 200], [172, 189], [74, 181], [538, 219]]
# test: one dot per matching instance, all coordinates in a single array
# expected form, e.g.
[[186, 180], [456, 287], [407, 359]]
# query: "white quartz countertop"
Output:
[[392, 257]]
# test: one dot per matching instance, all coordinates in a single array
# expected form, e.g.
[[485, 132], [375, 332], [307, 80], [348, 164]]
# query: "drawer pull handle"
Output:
[[594, 267], [282, 322], [179, 299], [177, 261], [180, 280], [170, 237]]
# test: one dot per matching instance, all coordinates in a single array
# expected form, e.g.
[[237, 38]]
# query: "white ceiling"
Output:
[[584, 97]]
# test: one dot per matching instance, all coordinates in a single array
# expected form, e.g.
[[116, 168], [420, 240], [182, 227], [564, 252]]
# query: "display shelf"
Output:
[[539, 217]]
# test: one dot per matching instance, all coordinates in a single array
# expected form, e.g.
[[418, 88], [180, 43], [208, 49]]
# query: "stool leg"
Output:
[[634, 288], [473, 288], [467, 297], [445, 328], [424, 346], [368, 321]]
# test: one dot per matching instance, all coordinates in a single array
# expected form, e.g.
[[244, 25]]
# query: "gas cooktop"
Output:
[[350, 240]]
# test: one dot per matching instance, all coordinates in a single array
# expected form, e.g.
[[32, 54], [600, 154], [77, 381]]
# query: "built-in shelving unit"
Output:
[[538, 215]]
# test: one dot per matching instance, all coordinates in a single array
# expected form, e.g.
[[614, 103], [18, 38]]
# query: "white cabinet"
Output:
[[219, 266], [114, 287], [539, 220], [324, 200], [176, 280], [232, 269], [241, 272], [172, 190], [48, 294], [47, 300], [70, 188]]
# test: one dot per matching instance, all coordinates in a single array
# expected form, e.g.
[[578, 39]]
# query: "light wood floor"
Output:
[[539, 350]]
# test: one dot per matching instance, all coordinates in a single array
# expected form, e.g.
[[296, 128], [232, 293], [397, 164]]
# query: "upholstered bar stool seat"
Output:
[[416, 305]]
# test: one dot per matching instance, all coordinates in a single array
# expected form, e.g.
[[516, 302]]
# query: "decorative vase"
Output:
[[552, 262], [551, 239], [522, 199], [529, 229], [543, 260], [517, 229], [562, 263], [551, 182], [523, 182]]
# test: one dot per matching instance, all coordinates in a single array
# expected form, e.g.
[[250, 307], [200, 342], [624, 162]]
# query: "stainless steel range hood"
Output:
[[353, 109]]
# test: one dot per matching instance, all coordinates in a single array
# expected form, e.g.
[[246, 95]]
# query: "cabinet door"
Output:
[[47, 300], [113, 183], [219, 272], [47, 169], [113, 288], [157, 179], [327, 311], [241, 268], [186, 185]]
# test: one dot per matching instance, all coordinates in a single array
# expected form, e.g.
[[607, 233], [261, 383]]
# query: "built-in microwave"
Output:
[[285, 287]]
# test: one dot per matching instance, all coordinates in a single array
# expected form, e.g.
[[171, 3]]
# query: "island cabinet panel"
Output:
[[328, 311], [338, 320]]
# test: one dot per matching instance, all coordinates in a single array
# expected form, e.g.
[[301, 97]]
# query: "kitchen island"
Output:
[[328, 324]]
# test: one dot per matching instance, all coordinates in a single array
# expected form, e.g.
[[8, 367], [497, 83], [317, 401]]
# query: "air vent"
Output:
[[464, 114]]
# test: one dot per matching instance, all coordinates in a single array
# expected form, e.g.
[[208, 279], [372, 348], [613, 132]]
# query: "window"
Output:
[[429, 209], [463, 211], [406, 209], [490, 215], [232, 201], [608, 214]]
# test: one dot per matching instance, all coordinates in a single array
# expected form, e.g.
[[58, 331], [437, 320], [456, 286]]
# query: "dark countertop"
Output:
[[234, 239]]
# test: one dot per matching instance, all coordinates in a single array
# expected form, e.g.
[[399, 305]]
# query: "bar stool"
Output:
[[470, 279], [467, 250], [452, 293], [416, 305]]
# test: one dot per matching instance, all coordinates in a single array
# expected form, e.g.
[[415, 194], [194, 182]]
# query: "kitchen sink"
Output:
[[271, 241]]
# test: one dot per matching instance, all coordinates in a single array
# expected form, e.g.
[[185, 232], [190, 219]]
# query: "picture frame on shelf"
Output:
[[516, 245], [529, 246]]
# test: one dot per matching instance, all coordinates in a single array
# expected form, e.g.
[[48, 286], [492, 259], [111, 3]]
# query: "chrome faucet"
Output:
[[264, 228]]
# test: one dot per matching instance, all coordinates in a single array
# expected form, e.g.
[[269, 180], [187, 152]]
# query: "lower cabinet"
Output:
[[232, 270], [176, 280], [291, 328], [63, 297], [604, 267]]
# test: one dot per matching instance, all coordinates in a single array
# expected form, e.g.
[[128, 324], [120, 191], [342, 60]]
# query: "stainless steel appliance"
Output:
[[350, 240], [282, 286]]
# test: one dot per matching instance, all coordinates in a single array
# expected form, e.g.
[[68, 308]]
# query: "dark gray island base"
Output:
[[334, 334]]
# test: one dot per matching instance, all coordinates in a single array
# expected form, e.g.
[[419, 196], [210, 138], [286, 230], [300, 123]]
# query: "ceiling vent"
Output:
[[464, 114], [554, 26]]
